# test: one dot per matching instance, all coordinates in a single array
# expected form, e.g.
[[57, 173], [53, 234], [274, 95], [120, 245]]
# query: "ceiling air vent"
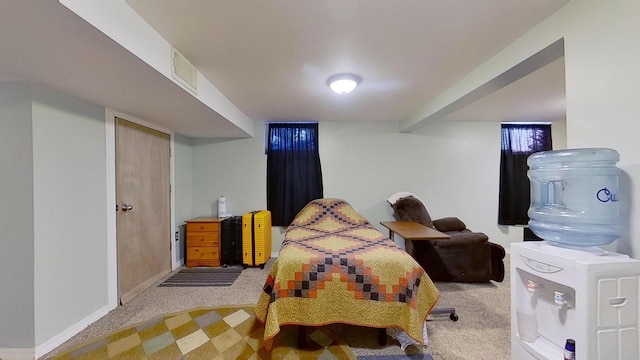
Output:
[[183, 71]]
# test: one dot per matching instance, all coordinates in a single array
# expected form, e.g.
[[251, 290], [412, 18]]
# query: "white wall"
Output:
[[602, 53], [453, 167], [183, 162], [233, 168], [16, 217], [363, 163], [53, 271], [602, 50], [450, 166], [119, 21], [69, 187]]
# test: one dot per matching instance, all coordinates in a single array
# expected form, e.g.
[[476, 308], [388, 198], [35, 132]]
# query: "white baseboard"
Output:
[[175, 265], [17, 354], [68, 333], [273, 255]]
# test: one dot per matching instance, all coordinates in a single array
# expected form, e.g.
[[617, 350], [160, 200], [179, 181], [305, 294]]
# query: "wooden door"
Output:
[[143, 201]]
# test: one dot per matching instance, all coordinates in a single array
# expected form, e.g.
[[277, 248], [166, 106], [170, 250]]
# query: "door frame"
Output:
[[112, 231]]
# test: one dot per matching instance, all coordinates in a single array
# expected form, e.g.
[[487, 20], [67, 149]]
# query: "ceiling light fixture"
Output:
[[343, 83]]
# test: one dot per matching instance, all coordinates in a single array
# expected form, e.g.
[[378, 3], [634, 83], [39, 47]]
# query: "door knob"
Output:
[[126, 207]]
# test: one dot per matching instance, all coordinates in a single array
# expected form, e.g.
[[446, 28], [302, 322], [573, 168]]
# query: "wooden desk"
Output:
[[412, 231]]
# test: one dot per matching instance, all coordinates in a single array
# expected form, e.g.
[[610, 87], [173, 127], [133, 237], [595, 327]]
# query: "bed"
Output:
[[336, 267]]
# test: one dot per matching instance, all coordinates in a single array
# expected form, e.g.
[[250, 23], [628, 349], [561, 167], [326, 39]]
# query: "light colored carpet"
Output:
[[396, 357], [482, 332]]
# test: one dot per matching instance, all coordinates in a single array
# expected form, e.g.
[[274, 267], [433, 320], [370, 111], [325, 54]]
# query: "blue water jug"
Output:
[[574, 196]]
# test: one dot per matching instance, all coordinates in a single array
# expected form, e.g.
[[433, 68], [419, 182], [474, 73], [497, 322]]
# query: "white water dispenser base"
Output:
[[588, 296]]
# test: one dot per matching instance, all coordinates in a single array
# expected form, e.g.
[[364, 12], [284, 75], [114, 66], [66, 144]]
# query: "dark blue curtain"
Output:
[[294, 174], [518, 142]]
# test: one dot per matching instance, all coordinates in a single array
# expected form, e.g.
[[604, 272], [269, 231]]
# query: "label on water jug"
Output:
[[605, 195]]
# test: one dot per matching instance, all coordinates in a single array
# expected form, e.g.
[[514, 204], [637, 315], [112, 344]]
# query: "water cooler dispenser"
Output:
[[566, 287]]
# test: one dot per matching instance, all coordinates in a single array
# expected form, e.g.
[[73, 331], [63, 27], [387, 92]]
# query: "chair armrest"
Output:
[[449, 224], [463, 239]]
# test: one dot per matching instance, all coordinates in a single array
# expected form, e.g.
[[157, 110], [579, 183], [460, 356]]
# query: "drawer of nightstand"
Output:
[[201, 262], [202, 226], [202, 239], [202, 253]]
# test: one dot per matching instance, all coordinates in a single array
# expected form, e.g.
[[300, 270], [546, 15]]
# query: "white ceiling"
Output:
[[271, 58]]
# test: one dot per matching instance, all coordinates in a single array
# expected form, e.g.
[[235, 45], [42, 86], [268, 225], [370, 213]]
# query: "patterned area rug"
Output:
[[396, 357], [208, 333], [204, 276]]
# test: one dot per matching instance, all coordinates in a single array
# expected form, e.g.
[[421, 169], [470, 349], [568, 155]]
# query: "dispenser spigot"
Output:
[[559, 299], [532, 286]]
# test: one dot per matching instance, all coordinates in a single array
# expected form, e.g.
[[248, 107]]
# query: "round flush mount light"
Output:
[[343, 83]]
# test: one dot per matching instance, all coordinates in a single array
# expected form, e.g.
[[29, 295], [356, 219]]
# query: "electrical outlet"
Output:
[[177, 239]]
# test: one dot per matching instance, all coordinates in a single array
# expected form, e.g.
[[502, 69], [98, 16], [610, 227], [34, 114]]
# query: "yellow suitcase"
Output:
[[256, 238]]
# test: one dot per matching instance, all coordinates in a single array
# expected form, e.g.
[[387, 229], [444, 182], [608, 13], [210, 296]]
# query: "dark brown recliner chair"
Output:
[[467, 257]]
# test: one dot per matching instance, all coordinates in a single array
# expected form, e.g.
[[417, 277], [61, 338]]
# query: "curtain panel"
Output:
[[294, 173], [518, 142]]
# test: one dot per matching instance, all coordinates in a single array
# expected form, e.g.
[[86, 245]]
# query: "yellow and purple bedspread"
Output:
[[335, 267]]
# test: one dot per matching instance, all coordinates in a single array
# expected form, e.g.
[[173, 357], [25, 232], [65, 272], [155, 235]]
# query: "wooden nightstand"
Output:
[[203, 242]]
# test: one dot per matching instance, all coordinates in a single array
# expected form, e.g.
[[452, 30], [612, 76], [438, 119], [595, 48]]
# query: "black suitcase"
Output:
[[231, 237]]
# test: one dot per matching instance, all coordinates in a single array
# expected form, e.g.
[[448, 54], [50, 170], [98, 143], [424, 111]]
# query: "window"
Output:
[[294, 174], [518, 142]]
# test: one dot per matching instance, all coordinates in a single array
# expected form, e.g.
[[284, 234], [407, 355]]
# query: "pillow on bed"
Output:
[[412, 209]]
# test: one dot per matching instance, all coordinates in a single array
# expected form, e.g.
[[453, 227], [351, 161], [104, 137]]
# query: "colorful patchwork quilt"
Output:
[[336, 267]]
